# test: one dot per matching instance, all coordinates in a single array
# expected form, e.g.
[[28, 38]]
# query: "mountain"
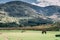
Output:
[[52, 12], [18, 13]]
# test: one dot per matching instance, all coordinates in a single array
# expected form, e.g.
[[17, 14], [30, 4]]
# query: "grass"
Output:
[[28, 35]]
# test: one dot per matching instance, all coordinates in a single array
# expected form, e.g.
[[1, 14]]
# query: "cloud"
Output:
[[41, 4], [44, 3]]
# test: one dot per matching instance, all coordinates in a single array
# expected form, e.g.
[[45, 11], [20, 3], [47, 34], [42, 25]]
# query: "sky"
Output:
[[41, 3], [29, 1]]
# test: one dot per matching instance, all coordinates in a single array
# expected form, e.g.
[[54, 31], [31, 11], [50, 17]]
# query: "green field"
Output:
[[28, 35]]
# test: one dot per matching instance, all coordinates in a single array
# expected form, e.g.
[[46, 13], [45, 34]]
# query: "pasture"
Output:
[[28, 35]]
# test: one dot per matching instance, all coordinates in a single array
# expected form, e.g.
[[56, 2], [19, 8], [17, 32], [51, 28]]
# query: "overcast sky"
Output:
[[42, 3]]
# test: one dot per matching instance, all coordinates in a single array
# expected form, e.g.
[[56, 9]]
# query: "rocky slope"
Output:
[[21, 14]]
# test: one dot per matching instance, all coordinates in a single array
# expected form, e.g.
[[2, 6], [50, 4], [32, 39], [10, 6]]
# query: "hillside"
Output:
[[18, 13]]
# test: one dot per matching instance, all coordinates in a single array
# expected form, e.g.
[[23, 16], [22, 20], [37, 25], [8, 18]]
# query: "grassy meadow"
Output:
[[28, 35]]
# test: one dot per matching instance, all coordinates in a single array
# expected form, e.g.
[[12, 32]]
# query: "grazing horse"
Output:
[[43, 31]]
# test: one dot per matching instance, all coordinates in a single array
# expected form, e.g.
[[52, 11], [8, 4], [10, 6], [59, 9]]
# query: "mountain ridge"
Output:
[[30, 14]]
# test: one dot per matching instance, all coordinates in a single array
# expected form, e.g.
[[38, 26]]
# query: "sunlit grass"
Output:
[[28, 35]]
